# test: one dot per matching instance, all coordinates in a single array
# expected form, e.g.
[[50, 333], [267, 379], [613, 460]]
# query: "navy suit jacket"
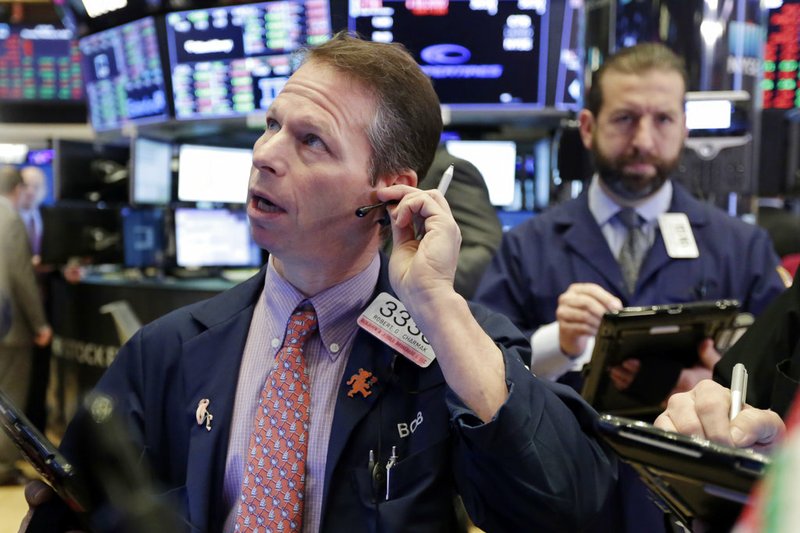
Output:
[[537, 465], [540, 258]]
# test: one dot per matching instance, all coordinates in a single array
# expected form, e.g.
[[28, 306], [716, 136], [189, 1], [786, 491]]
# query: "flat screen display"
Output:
[[92, 172], [143, 237], [716, 117], [214, 238], [231, 61], [123, 76], [151, 181], [39, 63], [213, 174], [476, 52], [708, 114], [497, 162]]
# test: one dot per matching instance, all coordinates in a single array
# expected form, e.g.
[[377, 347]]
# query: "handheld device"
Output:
[[45, 458], [664, 338], [693, 478]]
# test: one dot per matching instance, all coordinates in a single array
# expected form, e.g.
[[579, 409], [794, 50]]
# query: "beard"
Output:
[[629, 185]]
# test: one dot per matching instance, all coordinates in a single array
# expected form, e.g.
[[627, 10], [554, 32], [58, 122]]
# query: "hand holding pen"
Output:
[[426, 240]]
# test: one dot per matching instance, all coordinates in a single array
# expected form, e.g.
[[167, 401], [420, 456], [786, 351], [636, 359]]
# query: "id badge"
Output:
[[678, 237], [387, 319]]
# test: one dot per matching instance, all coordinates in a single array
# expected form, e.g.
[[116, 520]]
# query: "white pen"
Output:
[[738, 389], [447, 177]]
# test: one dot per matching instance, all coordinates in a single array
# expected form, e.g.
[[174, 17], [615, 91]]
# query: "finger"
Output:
[[578, 300], [597, 293], [37, 493], [708, 354], [756, 426], [577, 316], [422, 210], [620, 378], [664, 422], [632, 365], [681, 416], [712, 404]]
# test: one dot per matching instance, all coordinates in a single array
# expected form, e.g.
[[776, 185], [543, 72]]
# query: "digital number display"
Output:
[[234, 60], [781, 57], [39, 63], [124, 76], [475, 51]]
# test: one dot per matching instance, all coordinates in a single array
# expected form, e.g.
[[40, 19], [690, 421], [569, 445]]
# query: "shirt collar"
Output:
[[337, 307], [603, 207]]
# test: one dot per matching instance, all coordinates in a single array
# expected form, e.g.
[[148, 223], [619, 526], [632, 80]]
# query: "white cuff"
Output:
[[548, 361]]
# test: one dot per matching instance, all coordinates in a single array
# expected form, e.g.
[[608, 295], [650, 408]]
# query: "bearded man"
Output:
[[556, 275]]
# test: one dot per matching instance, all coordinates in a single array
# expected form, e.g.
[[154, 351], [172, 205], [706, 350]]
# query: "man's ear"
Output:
[[404, 177], [586, 125]]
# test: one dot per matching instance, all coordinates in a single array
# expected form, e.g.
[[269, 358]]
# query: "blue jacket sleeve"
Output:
[[539, 463]]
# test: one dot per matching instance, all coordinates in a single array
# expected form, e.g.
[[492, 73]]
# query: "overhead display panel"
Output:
[[124, 76], [232, 61]]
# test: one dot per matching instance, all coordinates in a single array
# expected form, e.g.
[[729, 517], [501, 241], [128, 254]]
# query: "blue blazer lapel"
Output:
[[586, 243], [372, 355], [211, 363]]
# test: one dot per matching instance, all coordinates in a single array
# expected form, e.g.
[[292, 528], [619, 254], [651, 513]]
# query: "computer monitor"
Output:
[[82, 231], [93, 172], [231, 61], [143, 237], [39, 63], [496, 161], [476, 53], [213, 173], [123, 76], [718, 114], [40, 76], [151, 172], [214, 238]]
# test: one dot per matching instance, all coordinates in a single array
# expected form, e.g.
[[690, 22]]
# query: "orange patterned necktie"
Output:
[[275, 469]]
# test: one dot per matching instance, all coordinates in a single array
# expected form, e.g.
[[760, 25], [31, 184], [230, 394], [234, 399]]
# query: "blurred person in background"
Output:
[[28, 325]]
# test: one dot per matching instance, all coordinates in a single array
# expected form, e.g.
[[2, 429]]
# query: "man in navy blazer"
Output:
[[356, 125], [556, 274]]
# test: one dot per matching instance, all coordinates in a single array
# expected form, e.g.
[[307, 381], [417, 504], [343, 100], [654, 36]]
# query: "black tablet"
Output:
[[664, 338], [693, 478], [45, 458]]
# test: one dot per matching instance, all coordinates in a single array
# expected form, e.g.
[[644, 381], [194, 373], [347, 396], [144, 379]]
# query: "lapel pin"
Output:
[[203, 414], [361, 383]]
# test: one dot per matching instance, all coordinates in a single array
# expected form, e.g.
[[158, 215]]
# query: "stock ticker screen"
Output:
[[231, 61], [39, 63], [123, 75], [781, 57], [475, 51]]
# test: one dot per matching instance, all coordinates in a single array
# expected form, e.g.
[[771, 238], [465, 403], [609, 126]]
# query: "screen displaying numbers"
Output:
[[231, 61], [39, 63]]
